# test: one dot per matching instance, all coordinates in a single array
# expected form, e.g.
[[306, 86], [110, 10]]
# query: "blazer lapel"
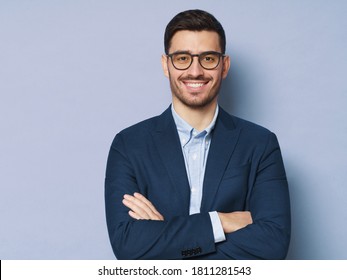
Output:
[[168, 145], [224, 139]]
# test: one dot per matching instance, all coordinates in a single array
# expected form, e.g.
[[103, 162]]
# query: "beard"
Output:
[[193, 99]]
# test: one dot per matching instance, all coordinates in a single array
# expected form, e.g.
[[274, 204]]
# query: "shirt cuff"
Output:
[[218, 232]]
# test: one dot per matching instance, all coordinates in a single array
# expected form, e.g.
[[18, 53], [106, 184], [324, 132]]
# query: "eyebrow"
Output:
[[190, 52], [182, 51]]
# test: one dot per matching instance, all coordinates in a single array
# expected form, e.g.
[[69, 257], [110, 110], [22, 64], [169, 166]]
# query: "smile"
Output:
[[195, 85]]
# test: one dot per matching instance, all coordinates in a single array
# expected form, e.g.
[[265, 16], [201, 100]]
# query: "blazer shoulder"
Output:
[[140, 127], [255, 135], [141, 130], [235, 122], [251, 126]]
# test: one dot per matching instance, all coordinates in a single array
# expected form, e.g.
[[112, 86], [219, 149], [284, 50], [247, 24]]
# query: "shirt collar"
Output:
[[185, 129]]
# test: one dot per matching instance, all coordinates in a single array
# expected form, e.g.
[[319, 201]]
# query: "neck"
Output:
[[199, 118]]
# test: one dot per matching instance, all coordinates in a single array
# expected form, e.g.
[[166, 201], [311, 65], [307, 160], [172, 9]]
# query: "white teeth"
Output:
[[195, 85]]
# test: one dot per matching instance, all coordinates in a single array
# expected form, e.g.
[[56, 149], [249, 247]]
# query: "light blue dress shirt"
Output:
[[195, 146]]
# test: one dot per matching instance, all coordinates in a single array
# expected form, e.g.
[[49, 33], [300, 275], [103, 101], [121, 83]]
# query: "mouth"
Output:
[[195, 85]]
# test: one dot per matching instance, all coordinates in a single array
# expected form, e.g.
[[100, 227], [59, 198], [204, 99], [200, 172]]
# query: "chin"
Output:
[[198, 104]]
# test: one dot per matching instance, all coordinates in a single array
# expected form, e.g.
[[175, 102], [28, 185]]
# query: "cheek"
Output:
[[218, 77], [174, 78], [174, 85]]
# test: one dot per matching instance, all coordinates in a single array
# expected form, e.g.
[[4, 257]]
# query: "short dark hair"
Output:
[[193, 20]]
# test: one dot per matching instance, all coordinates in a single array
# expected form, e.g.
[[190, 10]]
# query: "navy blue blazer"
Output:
[[244, 171]]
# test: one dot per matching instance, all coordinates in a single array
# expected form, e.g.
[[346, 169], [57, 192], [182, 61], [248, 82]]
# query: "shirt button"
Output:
[[193, 190], [194, 156]]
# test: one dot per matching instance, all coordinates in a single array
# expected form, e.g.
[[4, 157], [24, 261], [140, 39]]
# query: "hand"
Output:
[[235, 220], [141, 208]]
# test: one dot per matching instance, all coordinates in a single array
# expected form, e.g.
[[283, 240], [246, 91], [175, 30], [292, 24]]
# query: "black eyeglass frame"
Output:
[[199, 56]]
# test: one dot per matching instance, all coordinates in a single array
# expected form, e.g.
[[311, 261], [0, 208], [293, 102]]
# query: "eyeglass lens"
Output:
[[208, 60]]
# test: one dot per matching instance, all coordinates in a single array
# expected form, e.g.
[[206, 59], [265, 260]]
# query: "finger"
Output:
[[140, 208], [250, 219], [134, 215], [155, 215], [136, 208], [137, 202], [149, 204]]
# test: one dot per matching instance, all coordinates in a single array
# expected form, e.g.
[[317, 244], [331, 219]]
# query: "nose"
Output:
[[195, 68]]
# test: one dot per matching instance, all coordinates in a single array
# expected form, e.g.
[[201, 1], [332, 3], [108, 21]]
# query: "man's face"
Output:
[[195, 87]]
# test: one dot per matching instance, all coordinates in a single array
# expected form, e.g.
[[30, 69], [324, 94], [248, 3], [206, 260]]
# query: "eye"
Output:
[[209, 58], [182, 58]]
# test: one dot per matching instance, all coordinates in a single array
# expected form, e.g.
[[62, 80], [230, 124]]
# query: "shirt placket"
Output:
[[195, 157]]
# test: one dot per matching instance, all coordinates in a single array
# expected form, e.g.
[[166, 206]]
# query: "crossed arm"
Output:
[[142, 209], [138, 231]]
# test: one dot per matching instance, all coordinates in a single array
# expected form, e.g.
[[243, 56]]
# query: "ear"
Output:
[[226, 66], [164, 61]]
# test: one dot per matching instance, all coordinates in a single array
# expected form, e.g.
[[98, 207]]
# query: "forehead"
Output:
[[195, 41]]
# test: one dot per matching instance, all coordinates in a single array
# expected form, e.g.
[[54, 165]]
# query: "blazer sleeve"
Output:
[[268, 201], [176, 238]]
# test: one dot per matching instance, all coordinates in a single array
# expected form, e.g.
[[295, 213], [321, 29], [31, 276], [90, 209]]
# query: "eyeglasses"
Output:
[[207, 60]]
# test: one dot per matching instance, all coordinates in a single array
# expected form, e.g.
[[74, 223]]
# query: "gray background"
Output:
[[73, 73]]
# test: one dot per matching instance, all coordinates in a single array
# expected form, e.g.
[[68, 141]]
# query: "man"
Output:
[[196, 182]]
